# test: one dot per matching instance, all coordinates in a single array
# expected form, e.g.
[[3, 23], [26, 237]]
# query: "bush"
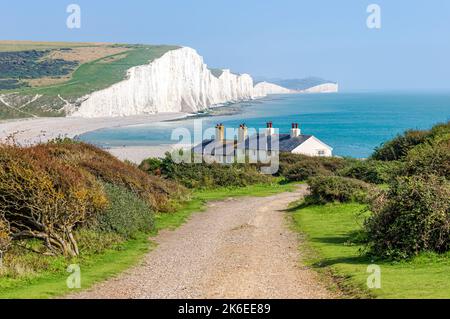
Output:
[[127, 214], [297, 167], [411, 217], [303, 170], [203, 175], [370, 171], [42, 197], [49, 191], [325, 189], [397, 148], [431, 158], [157, 192]]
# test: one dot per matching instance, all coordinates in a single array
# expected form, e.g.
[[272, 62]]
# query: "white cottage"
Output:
[[260, 145]]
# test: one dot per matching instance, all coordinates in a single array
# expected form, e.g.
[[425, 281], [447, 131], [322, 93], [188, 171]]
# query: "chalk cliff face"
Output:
[[322, 88], [263, 89], [179, 81]]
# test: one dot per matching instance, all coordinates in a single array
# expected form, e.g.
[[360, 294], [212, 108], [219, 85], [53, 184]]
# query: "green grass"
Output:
[[99, 74], [93, 269], [97, 268], [331, 233]]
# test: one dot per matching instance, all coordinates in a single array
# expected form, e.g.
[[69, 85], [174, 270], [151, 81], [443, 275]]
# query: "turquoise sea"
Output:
[[352, 123]]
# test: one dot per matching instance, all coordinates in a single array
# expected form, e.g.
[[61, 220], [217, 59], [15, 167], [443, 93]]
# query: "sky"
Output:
[[270, 38]]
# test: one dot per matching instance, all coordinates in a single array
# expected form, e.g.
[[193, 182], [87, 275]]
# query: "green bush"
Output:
[[371, 171], [325, 189], [397, 148], [303, 170], [411, 217], [431, 158], [297, 167], [203, 175], [127, 214]]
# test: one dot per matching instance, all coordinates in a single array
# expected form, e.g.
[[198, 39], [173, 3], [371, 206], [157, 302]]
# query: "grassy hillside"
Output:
[[39, 79]]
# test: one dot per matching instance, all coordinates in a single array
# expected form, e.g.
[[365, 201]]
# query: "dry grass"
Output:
[[86, 54], [13, 45]]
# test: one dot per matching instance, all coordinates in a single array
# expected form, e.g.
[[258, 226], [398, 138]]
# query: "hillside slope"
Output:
[[110, 80], [55, 77]]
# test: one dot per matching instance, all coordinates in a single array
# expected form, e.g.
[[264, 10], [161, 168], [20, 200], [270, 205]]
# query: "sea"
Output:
[[354, 124]]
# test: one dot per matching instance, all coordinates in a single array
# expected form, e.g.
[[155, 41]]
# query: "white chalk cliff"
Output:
[[322, 88], [263, 89], [179, 81]]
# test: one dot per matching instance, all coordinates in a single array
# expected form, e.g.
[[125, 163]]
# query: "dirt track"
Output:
[[238, 248]]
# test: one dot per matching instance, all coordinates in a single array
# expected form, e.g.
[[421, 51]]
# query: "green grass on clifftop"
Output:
[[102, 73]]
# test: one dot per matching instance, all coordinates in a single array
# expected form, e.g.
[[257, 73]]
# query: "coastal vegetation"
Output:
[[204, 175], [392, 210], [66, 202]]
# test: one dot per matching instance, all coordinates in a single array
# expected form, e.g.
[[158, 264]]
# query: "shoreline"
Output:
[[32, 131]]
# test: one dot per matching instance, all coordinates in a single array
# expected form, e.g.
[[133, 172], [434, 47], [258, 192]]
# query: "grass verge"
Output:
[[97, 268], [331, 234]]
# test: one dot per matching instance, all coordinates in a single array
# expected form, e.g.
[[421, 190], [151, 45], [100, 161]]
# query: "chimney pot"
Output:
[[220, 132], [295, 131], [243, 133]]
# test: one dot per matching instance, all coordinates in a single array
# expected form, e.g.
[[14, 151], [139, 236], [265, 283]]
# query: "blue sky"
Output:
[[272, 38]]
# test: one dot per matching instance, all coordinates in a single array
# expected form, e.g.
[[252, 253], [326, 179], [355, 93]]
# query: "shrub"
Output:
[[203, 175], [127, 214], [42, 197], [303, 170], [397, 148], [411, 217], [152, 166], [158, 193], [297, 167], [325, 189], [431, 158], [370, 171]]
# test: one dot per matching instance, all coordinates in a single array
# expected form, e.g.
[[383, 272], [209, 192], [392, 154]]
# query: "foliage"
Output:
[[325, 189], [127, 214], [370, 171], [428, 158], [49, 191], [157, 192], [330, 247], [296, 167], [397, 148], [10, 84], [43, 197], [32, 65], [411, 217], [209, 176]]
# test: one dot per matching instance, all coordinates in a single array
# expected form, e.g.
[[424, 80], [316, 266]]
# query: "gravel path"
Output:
[[238, 248]]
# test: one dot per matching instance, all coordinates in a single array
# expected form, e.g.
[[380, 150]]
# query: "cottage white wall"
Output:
[[312, 147]]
